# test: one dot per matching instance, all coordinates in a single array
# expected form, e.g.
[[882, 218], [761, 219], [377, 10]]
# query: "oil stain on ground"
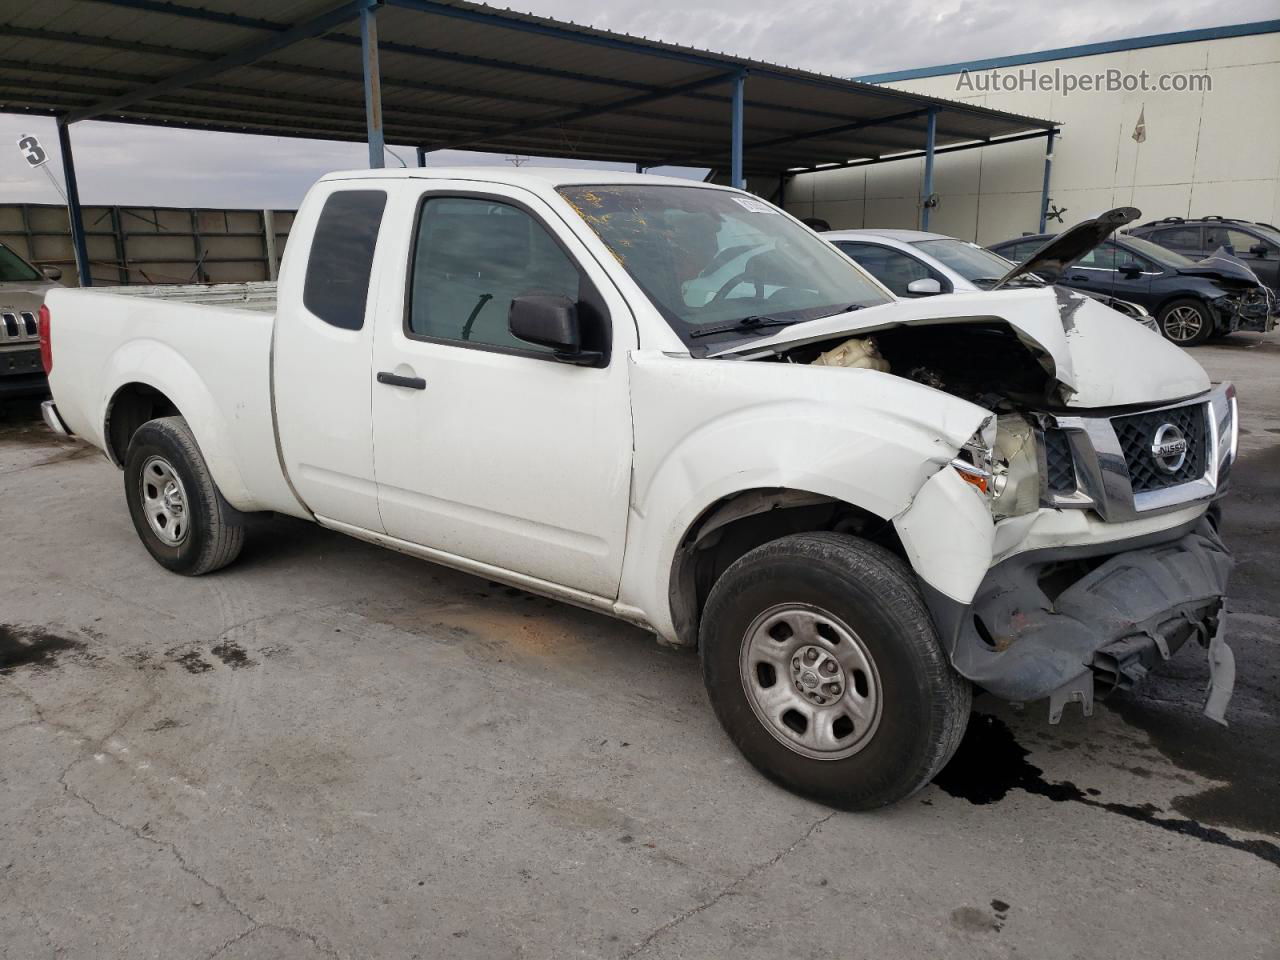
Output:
[[990, 763], [35, 647], [232, 654]]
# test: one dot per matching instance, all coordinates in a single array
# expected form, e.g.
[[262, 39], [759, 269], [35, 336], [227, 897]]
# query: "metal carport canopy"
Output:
[[439, 74]]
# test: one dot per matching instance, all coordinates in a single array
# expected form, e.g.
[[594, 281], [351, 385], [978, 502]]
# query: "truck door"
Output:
[[488, 448], [322, 352]]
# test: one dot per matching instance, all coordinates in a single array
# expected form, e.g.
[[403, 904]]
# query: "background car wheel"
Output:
[[824, 667], [180, 516], [1186, 322]]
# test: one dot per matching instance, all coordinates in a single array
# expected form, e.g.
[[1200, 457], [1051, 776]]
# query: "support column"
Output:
[[1044, 189], [372, 82], [931, 136], [782, 190], [74, 213], [422, 156], [735, 148]]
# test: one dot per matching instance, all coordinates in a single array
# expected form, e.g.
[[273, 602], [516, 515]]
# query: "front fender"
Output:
[[163, 368], [707, 429]]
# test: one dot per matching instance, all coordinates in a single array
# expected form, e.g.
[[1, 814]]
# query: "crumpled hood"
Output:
[[1100, 357], [1221, 265]]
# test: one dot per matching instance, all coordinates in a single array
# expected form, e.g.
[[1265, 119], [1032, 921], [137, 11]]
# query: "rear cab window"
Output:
[[341, 259]]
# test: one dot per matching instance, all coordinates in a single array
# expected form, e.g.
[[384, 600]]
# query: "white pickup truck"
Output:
[[673, 403]]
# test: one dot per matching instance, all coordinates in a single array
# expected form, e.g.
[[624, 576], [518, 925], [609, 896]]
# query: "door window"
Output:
[[337, 284], [1099, 258], [471, 258], [1241, 243], [1182, 239], [893, 268]]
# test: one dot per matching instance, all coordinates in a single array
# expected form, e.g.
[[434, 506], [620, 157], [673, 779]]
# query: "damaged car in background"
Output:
[[1192, 300], [673, 403]]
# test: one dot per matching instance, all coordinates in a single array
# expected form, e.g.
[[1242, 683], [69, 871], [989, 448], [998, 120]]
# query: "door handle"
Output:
[[1077, 278], [395, 380]]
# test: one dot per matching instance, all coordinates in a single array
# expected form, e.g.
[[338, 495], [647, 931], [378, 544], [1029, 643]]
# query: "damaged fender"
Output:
[[708, 431]]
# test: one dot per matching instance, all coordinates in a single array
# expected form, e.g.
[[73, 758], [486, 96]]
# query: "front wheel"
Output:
[[824, 667], [180, 516], [1186, 322]]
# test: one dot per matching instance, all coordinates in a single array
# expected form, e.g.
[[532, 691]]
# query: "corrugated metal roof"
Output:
[[459, 74]]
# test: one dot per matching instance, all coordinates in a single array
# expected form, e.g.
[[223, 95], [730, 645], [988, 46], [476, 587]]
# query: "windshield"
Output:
[[1156, 252], [976, 264], [13, 267], [711, 258]]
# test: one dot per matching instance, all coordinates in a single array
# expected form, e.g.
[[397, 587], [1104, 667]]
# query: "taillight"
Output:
[[46, 340]]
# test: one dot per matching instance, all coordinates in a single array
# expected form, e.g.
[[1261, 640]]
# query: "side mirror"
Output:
[[924, 287], [1130, 270], [550, 320], [1258, 250], [53, 273]]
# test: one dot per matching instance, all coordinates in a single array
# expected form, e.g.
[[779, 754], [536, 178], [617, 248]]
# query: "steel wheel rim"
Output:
[[164, 501], [1183, 323], [811, 681]]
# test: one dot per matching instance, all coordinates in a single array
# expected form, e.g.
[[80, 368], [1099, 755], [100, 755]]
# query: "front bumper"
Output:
[[21, 373], [1054, 624], [1256, 311]]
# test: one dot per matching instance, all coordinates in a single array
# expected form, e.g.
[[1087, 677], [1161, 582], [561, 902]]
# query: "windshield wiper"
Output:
[[745, 325]]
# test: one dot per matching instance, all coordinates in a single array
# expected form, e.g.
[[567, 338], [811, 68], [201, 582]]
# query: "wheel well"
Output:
[[737, 524], [132, 406]]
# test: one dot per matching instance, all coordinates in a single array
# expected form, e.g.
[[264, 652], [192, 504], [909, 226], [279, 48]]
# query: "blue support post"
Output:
[[1044, 189], [422, 156], [931, 136], [74, 213], [735, 150], [372, 82]]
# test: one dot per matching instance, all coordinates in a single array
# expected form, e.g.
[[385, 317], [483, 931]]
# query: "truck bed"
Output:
[[259, 296], [205, 348]]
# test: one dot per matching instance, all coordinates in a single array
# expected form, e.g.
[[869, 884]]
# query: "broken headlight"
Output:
[[999, 461]]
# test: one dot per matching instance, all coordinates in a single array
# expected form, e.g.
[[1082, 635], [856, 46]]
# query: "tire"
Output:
[[180, 516], [903, 718], [1186, 322]]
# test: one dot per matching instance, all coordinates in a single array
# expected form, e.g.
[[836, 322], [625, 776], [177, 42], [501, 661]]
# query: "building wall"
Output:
[[1216, 152]]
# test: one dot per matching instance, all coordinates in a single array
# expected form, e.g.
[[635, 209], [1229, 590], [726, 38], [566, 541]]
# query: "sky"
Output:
[[135, 165]]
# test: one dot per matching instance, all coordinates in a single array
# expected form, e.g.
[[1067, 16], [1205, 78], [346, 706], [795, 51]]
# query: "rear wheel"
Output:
[[180, 516], [1186, 322], [825, 669]]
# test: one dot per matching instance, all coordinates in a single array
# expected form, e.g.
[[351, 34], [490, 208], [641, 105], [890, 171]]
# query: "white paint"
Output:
[[576, 482]]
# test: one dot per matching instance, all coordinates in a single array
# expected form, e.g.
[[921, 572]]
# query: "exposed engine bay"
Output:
[[984, 363]]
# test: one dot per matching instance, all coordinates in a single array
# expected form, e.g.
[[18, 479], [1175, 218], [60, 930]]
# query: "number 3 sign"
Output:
[[32, 152]]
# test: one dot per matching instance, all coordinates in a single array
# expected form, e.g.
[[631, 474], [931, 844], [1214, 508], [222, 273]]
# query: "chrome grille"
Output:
[[19, 327], [1136, 434]]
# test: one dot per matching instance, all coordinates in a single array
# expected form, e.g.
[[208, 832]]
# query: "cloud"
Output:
[[129, 164]]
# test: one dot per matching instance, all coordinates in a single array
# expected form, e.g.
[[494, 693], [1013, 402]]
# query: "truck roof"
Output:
[[538, 177]]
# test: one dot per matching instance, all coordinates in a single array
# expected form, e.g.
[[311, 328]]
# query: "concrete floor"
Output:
[[331, 750]]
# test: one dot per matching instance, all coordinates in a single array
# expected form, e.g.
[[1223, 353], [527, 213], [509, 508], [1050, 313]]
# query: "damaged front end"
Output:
[[1058, 616], [1050, 624]]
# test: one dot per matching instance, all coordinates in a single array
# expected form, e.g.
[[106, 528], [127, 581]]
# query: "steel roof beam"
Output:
[[595, 111], [238, 58], [815, 134], [917, 154]]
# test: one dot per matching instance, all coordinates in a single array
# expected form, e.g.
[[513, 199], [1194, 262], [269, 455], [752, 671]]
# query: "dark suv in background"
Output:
[[1257, 244], [1191, 300]]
